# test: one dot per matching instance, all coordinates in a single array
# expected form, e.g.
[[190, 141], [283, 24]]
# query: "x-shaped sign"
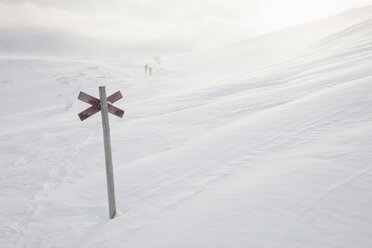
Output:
[[96, 105]]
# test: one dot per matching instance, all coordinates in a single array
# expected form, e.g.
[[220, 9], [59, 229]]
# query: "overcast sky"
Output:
[[172, 25]]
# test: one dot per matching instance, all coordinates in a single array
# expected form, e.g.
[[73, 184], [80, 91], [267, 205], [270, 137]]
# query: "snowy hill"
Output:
[[254, 53], [278, 157]]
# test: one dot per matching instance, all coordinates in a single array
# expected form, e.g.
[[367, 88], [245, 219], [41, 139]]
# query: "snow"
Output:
[[271, 157]]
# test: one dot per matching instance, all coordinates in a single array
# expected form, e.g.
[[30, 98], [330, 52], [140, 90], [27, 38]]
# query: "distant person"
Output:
[[150, 71], [146, 67]]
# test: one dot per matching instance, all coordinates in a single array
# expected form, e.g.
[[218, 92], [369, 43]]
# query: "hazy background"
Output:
[[147, 28]]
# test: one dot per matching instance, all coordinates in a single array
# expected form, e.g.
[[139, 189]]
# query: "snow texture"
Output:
[[204, 157]]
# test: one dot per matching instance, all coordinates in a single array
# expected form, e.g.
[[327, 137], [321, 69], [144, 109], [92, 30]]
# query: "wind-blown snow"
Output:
[[278, 157]]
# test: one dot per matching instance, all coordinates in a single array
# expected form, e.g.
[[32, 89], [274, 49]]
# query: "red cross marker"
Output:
[[96, 106], [103, 104]]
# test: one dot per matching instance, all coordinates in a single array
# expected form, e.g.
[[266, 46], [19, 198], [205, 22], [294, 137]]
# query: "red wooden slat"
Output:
[[88, 112], [88, 99], [114, 97], [115, 111]]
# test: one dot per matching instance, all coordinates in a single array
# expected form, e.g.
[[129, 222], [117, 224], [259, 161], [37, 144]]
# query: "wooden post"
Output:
[[108, 155]]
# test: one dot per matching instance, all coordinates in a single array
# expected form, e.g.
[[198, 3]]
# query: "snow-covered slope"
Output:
[[254, 53], [275, 158]]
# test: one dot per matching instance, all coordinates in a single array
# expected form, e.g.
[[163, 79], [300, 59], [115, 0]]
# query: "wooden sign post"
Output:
[[104, 105]]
